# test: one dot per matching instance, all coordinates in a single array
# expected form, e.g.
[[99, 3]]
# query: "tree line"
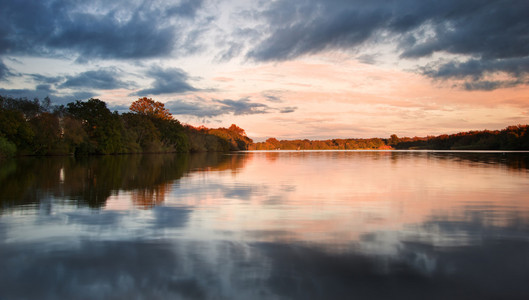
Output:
[[514, 137], [511, 138], [36, 127], [332, 144]]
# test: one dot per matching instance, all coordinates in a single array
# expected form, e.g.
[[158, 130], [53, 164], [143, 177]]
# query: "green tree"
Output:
[[15, 129], [145, 134], [7, 148], [47, 133], [103, 127], [172, 134]]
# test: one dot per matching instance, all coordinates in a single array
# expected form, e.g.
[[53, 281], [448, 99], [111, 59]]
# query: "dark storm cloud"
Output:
[[104, 79], [314, 28], [477, 68], [116, 29], [493, 33], [167, 81]]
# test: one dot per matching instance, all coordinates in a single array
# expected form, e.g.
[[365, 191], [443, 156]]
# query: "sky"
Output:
[[313, 69]]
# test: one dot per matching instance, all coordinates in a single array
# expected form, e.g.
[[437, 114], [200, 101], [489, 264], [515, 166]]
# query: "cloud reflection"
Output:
[[289, 225]]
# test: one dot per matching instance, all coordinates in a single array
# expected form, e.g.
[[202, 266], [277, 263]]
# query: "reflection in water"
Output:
[[92, 180], [148, 198], [266, 225]]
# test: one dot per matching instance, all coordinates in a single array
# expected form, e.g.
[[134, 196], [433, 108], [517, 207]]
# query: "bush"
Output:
[[7, 148]]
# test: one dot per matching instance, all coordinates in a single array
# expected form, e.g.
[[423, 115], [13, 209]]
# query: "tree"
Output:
[[237, 129], [393, 140], [47, 133], [149, 107], [15, 129], [102, 126], [146, 135]]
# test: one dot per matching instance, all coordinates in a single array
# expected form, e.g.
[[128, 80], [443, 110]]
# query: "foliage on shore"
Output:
[[203, 139], [34, 127], [333, 144], [511, 138], [514, 137]]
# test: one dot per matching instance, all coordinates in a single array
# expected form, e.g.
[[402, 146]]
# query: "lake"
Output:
[[266, 225]]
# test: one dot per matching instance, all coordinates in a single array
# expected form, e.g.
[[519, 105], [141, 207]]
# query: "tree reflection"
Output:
[[150, 197], [207, 161], [92, 180]]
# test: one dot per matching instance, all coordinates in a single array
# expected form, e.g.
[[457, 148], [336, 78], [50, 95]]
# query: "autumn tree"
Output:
[[155, 129], [237, 129], [149, 107]]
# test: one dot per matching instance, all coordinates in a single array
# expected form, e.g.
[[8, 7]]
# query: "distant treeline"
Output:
[[35, 127], [334, 144], [510, 138]]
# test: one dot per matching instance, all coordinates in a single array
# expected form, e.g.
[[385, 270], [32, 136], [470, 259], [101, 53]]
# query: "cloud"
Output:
[[102, 79], [288, 109], [167, 81], [487, 85], [273, 96], [369, 59], [46, 79], [198, 109], [477, 72], [492, 33], [243, 107], [186, 8], [477, 28], [100, 29], [232, 50], [4, 71], [314, 27], [44, 90], [214, 107], [40, 92]]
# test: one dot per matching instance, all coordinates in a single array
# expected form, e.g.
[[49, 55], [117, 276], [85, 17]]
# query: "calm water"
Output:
[[266, 225]]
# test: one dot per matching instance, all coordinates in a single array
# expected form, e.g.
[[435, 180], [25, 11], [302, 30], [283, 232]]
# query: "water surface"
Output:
[[266, 225]]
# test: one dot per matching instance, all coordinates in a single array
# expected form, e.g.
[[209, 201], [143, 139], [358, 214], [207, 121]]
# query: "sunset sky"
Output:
[[288, 69]]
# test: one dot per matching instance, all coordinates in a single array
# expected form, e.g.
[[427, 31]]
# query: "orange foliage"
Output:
[[147, 106], [237, 129]]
